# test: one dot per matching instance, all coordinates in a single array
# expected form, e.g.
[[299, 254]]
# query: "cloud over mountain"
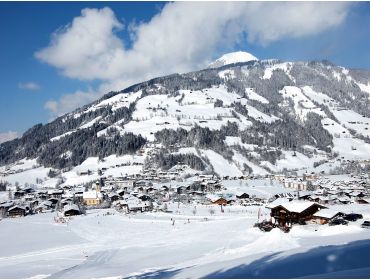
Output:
[[183, 36]]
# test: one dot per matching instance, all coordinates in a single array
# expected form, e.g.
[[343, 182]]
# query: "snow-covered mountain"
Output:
[[253, 117], [234, 57]]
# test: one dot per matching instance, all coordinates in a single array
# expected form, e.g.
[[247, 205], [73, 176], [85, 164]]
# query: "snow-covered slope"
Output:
[[251, 118]]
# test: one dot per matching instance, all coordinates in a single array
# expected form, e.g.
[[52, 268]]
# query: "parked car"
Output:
[[337, 222], [366, 224], [353, 217]]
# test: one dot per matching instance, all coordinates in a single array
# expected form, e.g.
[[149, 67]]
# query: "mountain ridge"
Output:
[[260, 117]]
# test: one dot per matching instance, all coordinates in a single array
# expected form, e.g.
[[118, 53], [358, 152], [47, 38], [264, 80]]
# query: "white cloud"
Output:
[[183, 36], [29, 86], [7, 136], [69, 102]]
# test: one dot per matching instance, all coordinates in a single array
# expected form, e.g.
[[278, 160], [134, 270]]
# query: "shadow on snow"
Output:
[[344, 261]]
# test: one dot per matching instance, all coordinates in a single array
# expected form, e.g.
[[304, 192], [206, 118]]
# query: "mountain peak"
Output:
[[233, 57]]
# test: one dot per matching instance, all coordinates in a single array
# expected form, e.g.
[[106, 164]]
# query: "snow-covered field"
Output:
[[198, 245]]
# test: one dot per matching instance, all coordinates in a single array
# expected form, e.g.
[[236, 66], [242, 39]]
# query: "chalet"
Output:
[[289, 213], [43, 195], [181, 189], [213, 199], [242, 195], [17, 211], [28, 190], [134, 204], [141, 183], [114, 196], [323, 216], [71, 210], [363, 201], [4, 207], [121, 192], [54, 201], [144, 197], [19, 194], [65, 201], [56, 193]]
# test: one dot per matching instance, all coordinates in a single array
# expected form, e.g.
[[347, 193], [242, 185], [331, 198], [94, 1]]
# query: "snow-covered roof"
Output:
[[212, 197], [239, 193], [277, 202], [327, 213], [296, 206], [69, 207], [92, 195], [6, 204], [46, 203], [17, 206]]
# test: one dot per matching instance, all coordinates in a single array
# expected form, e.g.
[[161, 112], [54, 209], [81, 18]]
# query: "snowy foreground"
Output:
[[200, 245]]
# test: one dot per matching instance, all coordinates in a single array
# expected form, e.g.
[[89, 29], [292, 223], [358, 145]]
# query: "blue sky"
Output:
[[27, 28]]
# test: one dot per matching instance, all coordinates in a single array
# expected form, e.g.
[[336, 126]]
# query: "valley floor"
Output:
[[197, 245]]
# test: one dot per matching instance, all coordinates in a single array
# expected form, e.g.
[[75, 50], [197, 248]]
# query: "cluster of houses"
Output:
[[148, 193], [122, 193]]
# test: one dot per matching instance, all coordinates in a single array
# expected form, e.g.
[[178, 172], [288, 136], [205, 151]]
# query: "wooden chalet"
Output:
[[19, 194], [242, 195], [294, 212], [363, 201], [220, 201], [17, 211], [114, 197], [4, 207], [71, 210], [54, 201]]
